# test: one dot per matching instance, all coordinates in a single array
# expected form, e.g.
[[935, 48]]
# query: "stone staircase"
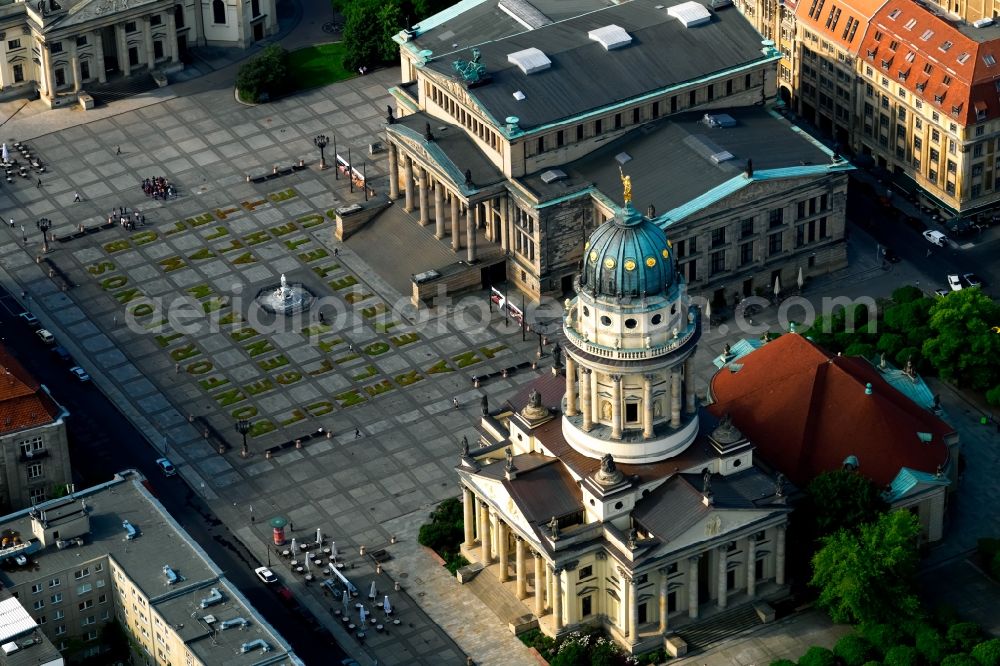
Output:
[[717, 628], [497, 597], [121, 88]]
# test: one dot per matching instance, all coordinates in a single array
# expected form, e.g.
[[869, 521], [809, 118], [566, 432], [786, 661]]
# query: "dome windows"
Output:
[[656, 320], [606, 320], [609, 263], [666, 253], [586, 311], [651, 262], [631, 323], [593, 257], [629, 265]]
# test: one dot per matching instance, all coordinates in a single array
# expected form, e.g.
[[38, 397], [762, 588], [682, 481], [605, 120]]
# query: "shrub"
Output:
[[988, 548], [445, 532], [882, 636], [817, 656], [872, 663], [782, 662], [959, 660], [987, 653], [854, 650], [902, 655], [263, 76], [946, 615], [534, 638], [963, 636], [930, 644]]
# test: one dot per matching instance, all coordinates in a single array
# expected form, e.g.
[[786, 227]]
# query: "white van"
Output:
[[936, 237]]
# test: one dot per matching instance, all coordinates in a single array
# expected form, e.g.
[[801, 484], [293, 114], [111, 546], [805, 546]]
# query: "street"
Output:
[[102, 442]]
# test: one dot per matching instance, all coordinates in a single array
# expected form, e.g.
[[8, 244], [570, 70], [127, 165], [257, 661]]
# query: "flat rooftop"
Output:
[[160, 542], [671, 160], [583, 76]]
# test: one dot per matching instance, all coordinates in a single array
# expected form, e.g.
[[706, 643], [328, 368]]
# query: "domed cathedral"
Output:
[[630, 334], [594, 496]]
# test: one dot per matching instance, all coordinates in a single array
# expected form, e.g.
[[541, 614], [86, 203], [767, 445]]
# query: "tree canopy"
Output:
[[369, 26], [963, 346], [841, 499], [867, 576], [263, 76]]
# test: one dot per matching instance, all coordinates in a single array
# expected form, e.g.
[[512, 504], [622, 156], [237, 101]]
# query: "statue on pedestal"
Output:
[[553, 526]]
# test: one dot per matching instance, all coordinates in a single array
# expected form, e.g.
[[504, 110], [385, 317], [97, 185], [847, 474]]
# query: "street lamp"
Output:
[[243, 427], [321, 142], [44, 224], [336, 159]]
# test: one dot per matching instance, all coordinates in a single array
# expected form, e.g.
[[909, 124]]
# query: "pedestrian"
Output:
[[291, 527], [357, 433], [454, 401], [928, 253], [336, 250], [118, 150], [177, 368], [39, 183], [76, 197], [11, 223]]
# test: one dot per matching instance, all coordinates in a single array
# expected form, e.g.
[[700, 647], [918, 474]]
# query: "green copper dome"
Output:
[[628, 256]]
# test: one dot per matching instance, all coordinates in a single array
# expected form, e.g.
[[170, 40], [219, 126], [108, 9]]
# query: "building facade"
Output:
[[34, 451], [112, 552], [481, 148], [59, 48], [596, 497]]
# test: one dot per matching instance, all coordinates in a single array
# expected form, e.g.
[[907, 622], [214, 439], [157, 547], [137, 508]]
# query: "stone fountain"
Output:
[[286, 299]]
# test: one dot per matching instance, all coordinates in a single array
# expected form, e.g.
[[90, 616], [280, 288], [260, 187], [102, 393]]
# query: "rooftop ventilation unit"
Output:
[[623, 158], [209, 619], [720, 157], [240, 622], [611, 37], [259, 644], [519, 96], [10, 648], [130, 531], [719, 120], [212, 599], [530, 61], [690, 14], [172, 577], [982, 23], [524, 13], [552, 175]]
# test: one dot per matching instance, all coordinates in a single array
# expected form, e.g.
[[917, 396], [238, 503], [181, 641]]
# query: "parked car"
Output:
[[942, 292], [60, 352], [45, 336], [266, 575], [719, 4], [166, 467], [80, 373], [936, 237], [955, 283], [972, 280], [29, 319]]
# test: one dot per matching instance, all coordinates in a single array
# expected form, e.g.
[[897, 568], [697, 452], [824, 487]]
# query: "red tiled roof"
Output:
[[843, 23], [23, 403], [953, 71], [807, 411]]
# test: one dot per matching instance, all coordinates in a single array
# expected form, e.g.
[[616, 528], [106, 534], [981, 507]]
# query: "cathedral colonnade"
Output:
[[636, 604], [436, 200]]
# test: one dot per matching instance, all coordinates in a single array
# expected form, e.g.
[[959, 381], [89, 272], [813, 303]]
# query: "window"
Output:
[[18, 74], [746, 227], [35, 470], [81, 40], [952, 167], [130, 26], [980, 130], [60, 630], [89, 620], [36, 588], [83, 589], [718, 237], [774, 244], [55, 582], [157, 49], [618, 121], [155, 19], [776, 217], [13, 44], [84, 605], [586, 606], [218, 11], [746, 253], [39, 604], [55, 47], [58, 615], [800, 235], [84, 70], [597, 126], [692, 98], [81, 573], [718, 262], [917, 143], [823, 233], [801, 209], [560, 138], [935, 136], [579, 132]]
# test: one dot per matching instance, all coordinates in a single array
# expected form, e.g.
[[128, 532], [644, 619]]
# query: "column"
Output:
[[147, 40], [75, 64], [504, 206], [456, 213], [438, 210], [689, 396], [424, 218], [633, 610], [647, 406], [693, 588], [502, 549], [539, 583], [393, 171], [521, 574], [548, 587], [616, 407], [586, 408], [557, 600], [98, 42], [570, 386], [675, 398], [722, 553], [408, 183], [751, 566], [49, 89], [663, 600], [175, 56], [479, 515], [484, 537], [123, 62], [468, 520], [623, 611], [470, 233], [486, 214], [779, 556]]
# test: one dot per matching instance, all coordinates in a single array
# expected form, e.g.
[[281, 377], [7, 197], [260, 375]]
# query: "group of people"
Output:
[[127, 220], [158, 188]]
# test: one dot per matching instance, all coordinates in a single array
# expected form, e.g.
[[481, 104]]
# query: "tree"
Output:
[[902, 655], [963, 636], [369, 26], [930, 644], [959, 660], [987, 653], [817, 656], [841, 499], [867, 576], [854, 650], [962, 345], [264, 76]]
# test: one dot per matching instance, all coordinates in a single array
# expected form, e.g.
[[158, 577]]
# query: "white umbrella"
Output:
[[362, 613], [293, 546], [346, 601], [319, 537], [307, 565], [5, 154], [800, 280], [708, 310], [372, 592], [777, 285], [333, 551], [386, 606]]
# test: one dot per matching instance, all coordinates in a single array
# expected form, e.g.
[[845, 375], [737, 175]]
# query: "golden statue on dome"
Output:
[[627, 185]]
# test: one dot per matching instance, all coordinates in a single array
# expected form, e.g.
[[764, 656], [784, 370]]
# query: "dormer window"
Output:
[[921, 86], [894, 14], [957, 109], [938, 98], [944, 47], [903, 75], [870, 53]]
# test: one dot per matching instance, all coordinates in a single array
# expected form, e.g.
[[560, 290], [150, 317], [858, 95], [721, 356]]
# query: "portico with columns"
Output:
[[598, 483]]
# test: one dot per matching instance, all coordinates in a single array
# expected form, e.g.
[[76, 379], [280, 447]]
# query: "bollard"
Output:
[[392, 539], [361, 551], [298, 443], [302, 163], [378, 567], [248, 178], [275, 170], [267, 455], [222, 449], [396, 586]]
